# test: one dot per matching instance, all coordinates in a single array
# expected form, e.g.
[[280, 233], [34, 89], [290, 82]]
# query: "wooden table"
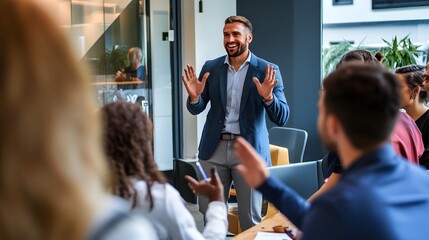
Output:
[[264, 226]]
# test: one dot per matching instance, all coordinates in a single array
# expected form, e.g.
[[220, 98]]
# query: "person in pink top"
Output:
[[406, 138]]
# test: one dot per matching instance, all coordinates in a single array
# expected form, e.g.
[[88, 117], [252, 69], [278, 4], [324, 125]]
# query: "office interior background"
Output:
[[173, 33]]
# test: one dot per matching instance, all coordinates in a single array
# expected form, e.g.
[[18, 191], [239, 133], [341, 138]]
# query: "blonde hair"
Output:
[[52, 170]]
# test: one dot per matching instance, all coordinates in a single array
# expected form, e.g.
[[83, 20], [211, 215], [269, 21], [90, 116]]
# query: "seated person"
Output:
[[413, 100], [379, 195], [406, 138], [53, 175], [128, 144], [135, 70], [426, 76]]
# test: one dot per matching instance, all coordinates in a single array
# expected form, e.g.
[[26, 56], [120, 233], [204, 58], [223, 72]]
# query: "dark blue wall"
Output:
[[288, 33]]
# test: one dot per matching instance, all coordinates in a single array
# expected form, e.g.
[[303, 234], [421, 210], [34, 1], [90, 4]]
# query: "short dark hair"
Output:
[[240, 19], [365, 99], [414, 77], [360, 55]]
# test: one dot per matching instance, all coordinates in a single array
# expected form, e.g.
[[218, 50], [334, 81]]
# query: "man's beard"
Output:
[[329, 144], [241, 48]]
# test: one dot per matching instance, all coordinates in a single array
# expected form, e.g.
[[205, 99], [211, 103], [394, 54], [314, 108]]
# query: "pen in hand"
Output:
[[202, 171]]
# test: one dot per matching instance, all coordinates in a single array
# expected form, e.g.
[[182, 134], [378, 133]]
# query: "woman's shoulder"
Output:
[[116, 222], [158, 190]]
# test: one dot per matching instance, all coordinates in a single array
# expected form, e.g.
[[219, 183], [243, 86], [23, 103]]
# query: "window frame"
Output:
[[342, 2], [404, 3]]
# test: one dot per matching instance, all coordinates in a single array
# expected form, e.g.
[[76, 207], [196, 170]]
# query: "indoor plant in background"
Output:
[[399, 53], [114, 60], [333, 54]]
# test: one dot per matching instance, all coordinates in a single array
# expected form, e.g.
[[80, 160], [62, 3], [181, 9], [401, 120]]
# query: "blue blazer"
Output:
[[252, 108]]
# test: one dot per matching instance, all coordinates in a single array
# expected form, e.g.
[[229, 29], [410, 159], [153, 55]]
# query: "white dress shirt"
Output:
[[234, 90], [172, 220]]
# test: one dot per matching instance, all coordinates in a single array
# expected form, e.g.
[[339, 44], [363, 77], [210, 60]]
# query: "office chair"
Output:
[[293, 139], [279, 156], [303, 178]]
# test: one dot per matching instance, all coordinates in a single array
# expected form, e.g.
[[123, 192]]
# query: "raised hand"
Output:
[[265, 89], [121, 76], [213, 189], [193, 86], [253, 168]]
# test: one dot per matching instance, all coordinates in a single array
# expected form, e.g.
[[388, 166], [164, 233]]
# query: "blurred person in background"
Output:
[[413, 99], [128, 144], [379, 194], [426, 76], [53, 176], [405, 139], [135, 70]]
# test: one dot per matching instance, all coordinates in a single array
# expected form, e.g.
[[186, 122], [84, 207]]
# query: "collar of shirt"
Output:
[[242, 65], [384, 155]]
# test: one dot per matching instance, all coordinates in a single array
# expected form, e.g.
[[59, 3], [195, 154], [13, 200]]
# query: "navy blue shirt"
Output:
[[138, 73], [380, 196]]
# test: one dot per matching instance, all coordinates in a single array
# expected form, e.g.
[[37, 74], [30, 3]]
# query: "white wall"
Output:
[[202, 40], [372, 35], [361, 11], [161, 85], [379, 24]]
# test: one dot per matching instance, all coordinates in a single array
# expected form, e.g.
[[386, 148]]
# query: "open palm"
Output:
[[265, 89], [193, 86]]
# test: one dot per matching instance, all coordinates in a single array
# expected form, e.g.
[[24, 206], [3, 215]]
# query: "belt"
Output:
[[228, 136]]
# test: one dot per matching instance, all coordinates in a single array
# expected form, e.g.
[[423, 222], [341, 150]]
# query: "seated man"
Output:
[[379, 195], [135, 70]]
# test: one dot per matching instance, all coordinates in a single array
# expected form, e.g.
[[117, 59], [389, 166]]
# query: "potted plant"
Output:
[[399, 53], [114, 60], [333, 54]]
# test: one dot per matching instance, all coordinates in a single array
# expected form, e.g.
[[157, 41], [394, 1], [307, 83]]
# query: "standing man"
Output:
[[379, 194], [241, 88]]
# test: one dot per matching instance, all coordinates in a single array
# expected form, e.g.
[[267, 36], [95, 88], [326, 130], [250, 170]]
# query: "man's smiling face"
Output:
[[236, 38]]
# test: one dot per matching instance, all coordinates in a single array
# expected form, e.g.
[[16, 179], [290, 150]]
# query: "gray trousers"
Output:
[[249, 201]]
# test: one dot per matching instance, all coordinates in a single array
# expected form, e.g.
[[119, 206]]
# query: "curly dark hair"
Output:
[[128, 145]]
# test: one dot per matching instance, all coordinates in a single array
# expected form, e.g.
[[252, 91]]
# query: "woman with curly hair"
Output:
[[414, 98], [53, 175], [128, 144]]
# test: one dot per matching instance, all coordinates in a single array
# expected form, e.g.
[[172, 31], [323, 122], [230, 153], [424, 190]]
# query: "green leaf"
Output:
[[400, 53]]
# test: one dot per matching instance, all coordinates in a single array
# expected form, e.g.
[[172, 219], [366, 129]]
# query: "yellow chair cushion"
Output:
[[233, 222], [279, 155]]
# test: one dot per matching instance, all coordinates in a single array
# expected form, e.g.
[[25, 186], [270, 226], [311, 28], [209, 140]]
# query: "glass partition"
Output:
[[103, 32]]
